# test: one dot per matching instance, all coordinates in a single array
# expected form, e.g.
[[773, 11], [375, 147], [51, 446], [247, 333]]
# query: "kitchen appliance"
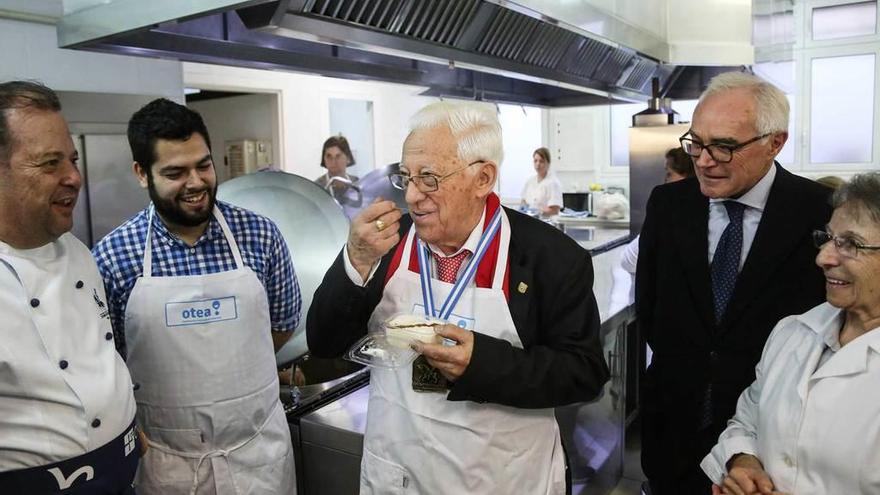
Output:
[[110, 193], [495, 50], [580, 201], [370, 187], [654, 132], [313, 225], [246, 156]]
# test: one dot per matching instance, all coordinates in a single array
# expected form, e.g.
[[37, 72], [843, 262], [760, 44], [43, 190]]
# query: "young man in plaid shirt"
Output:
[[202, 293]]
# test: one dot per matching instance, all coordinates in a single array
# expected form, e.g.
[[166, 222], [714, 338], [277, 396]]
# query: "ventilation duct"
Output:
[[466, 48]]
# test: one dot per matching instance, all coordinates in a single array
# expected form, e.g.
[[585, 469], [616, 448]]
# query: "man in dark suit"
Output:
[[722, 259], [475, 416]]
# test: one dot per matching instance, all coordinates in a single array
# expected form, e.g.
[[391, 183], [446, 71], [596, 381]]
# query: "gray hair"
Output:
[[474, 126], [863, 192], [771, 105], [15, 95]]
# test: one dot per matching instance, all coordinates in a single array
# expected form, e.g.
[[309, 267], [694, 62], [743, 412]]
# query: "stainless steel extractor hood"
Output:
[[500, 51]]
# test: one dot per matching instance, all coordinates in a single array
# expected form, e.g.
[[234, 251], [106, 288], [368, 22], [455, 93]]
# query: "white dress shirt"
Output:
[[755, 200], [64, 390], [541, 193], [812, 416], [470, 244]]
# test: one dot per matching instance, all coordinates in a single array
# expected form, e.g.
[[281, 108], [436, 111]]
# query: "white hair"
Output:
[[771, 105], [474, 125]]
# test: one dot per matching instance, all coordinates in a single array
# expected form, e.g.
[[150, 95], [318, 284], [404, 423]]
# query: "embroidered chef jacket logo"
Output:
[[130, 435], [200, 312], [102, 306], [67, 482]]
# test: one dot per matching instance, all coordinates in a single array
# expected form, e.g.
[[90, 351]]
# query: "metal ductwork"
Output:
[[462, 48]]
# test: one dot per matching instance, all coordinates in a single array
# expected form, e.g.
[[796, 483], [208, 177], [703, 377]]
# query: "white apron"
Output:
[[200, 353], [418, 442]]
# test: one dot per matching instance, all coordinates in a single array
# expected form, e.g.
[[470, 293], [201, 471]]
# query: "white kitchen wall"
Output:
[[255, 117], [710, 32], [522, 129], [692, 32], [30, 51], [354, 120]]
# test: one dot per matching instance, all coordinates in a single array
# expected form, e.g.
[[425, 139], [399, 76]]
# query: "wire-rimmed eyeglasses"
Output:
[[425, 182], [721, 153], [846, 246]]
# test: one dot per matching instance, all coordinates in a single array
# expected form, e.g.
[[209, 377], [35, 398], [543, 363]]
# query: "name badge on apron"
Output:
[[426, 378]]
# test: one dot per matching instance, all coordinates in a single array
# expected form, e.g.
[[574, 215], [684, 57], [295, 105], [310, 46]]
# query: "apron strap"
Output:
[[233, 245], [464, 278], [148, 246], [227, 233], [213, 453]]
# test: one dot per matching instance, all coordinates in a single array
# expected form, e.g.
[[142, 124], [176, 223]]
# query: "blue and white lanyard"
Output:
[[463, 281]]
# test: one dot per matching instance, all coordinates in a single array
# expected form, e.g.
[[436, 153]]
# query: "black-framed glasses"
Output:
[[846, 246], [425, 182], [721, 153]]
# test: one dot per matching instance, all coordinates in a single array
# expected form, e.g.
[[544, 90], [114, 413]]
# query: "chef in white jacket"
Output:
[[810, 423], [66, 404]]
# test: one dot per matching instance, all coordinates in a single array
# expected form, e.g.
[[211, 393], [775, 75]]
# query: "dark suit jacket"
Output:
[[556, 318], [676, 315]]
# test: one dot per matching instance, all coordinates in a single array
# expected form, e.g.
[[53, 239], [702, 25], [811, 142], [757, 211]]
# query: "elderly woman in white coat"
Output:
[[810, 423]]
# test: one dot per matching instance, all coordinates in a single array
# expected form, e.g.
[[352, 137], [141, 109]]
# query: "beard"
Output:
[[173, 213]]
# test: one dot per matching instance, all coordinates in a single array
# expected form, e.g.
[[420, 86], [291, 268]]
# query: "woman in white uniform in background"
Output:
[[810, 422], [543, 192]]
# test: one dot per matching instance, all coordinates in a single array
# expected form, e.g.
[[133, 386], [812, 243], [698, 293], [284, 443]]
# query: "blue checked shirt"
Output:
[[120, 258]]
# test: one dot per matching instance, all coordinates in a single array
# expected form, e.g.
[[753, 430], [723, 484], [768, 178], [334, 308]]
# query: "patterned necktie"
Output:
[[725, 263], [447, 267]]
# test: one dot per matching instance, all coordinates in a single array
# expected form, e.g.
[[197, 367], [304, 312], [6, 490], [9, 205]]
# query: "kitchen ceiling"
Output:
[[458, 48]]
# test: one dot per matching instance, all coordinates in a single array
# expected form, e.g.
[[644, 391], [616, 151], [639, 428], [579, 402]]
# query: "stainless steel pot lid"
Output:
[[313, 225], [370, 187]]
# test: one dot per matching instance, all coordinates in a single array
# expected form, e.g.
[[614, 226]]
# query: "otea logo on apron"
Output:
[[200, 312]]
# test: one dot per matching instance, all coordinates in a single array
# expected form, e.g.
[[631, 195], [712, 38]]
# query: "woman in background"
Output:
[[336, 157], [543, 192]]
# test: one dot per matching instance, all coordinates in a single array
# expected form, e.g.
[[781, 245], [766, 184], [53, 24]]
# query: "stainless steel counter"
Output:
[[596, 239]]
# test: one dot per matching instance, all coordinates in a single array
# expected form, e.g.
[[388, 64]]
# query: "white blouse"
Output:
[[541, 194], [816, 429]]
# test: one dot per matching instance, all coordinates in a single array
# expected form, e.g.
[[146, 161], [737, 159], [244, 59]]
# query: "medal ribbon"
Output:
[[469, 271]]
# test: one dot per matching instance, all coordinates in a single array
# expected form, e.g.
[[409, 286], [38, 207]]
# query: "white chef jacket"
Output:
[[815, 428], [543, 193], [64, 390]]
